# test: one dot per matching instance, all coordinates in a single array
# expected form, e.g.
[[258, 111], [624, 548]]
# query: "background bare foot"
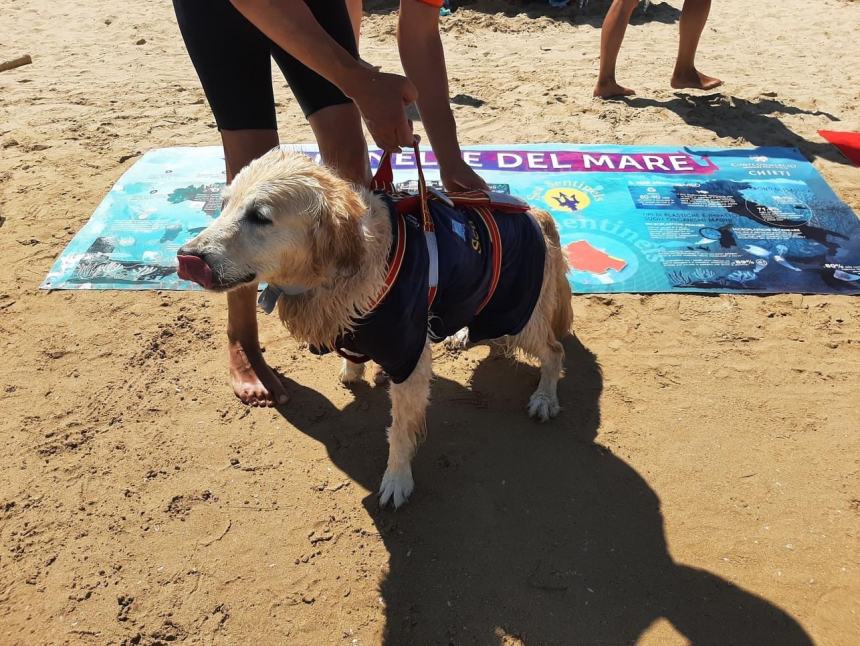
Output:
[[611, 90], [694, 79]]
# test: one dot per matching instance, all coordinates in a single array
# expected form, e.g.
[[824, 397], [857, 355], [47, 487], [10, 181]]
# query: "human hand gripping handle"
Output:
[[457, 175], [382, 101]]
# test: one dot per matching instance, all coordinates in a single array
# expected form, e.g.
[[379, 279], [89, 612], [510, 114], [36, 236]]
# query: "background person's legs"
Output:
[[611, 37], [693, 19]]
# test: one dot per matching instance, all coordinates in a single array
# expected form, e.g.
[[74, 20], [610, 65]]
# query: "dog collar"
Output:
[[268, 298]]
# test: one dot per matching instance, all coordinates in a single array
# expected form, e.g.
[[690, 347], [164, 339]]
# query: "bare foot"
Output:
[[694, 79], [254, 382], [611, 90]]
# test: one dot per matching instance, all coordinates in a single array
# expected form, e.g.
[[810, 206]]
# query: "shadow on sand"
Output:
[[530, 532], [757, 122]]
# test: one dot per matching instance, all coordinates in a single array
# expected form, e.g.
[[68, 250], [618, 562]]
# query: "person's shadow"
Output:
[[757, 122], [527, 533]]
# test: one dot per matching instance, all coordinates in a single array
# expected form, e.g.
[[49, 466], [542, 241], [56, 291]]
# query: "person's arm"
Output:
[[424, 63], [380, 97]]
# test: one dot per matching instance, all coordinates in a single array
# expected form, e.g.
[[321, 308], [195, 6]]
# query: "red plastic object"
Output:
[[847, 142]]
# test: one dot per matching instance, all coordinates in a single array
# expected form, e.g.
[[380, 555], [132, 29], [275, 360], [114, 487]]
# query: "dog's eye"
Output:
[[255, 216]]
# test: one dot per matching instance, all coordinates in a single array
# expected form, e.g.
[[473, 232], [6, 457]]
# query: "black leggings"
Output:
[[233, 60]]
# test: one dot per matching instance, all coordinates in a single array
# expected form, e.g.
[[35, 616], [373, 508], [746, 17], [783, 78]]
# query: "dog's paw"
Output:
[[396, 487], [351, 373], [458, 341], [543, 406]]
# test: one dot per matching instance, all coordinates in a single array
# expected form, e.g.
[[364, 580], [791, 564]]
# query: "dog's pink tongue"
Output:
[[194, 268]]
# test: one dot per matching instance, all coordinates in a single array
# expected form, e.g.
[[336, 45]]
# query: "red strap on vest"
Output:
[[396, 261], [496, 240], [383, 178]]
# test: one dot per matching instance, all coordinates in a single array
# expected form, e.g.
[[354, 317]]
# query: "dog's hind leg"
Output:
[[550, 322], [350, 372], [543, 404], [540, 340], [408, 427]]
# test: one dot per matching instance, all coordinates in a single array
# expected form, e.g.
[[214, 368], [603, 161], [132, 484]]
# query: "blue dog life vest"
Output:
[[488, 278]]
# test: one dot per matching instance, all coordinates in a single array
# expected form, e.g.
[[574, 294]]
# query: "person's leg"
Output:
[[611, 37], [354, 7], [231, 58], [340, 137], [693, 18], [254, 382]]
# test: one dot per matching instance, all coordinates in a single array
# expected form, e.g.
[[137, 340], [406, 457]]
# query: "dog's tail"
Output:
[[562, 315]]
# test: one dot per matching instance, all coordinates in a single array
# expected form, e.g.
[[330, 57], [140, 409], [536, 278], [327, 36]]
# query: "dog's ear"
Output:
[[339, 240]]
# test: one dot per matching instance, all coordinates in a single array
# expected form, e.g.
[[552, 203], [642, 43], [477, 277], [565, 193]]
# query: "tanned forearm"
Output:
[[424, 63]]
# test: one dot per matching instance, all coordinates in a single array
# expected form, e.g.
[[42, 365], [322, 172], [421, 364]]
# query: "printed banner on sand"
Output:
[[632, 219]]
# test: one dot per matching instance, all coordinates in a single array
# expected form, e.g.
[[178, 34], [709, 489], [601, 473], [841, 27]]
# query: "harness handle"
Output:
[[426, 220], [383, 180]]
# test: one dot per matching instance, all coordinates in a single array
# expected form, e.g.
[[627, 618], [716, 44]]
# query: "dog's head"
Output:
[[284, 220]]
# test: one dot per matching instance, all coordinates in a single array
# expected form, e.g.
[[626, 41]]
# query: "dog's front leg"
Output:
[[458, 341], [350, 372], [408, 427]]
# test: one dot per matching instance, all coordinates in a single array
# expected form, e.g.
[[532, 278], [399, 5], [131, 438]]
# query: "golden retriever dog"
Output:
[[292, 223]]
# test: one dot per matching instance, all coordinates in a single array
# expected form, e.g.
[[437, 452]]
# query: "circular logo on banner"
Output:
[[567, 199]]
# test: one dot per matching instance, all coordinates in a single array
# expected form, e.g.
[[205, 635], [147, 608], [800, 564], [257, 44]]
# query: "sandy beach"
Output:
[[701, 486]]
